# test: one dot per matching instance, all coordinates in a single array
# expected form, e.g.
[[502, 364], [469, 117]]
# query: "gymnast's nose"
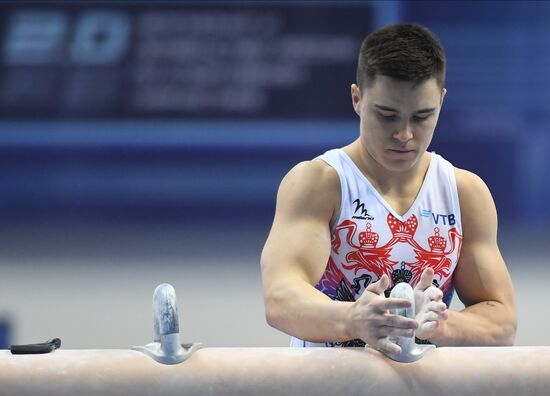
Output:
[[404, 133]]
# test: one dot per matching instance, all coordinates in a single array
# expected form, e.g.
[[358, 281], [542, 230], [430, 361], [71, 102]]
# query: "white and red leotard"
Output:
[[370, 239]]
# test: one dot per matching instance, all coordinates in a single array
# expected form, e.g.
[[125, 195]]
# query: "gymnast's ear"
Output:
[[443, 93], [356, 98]]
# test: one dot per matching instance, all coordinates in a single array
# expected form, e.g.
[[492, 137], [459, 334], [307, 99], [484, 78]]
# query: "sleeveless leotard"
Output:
[[370, 239]]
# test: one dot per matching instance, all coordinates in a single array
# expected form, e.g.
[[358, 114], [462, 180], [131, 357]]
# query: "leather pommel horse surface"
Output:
[[279, 371]]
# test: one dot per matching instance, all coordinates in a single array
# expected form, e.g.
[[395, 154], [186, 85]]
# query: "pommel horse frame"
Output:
[[166, 367], [279, 371]]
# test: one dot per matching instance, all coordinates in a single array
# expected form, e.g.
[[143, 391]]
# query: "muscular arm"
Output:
[[294, 259], [481, 279], [296, 253]]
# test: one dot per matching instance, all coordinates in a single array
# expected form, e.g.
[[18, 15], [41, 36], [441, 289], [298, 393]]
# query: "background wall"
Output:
[[144, 143]]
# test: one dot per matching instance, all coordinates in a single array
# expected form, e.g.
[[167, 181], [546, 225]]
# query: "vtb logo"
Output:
[[360, 211], [448, 219]]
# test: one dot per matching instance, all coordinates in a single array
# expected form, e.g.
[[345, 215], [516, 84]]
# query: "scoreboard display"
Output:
[[219, 60]]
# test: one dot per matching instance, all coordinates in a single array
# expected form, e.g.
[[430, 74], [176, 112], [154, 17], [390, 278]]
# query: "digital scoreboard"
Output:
[[179, 59]]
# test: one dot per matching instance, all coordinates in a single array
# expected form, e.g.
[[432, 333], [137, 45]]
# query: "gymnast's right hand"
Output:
[[371, 321]]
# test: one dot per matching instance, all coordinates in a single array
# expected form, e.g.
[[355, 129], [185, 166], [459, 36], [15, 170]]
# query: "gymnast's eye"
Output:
[[387, 116], [421, 118]]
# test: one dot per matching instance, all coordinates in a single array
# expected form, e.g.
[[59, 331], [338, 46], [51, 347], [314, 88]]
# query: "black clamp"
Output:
[[45, 347]]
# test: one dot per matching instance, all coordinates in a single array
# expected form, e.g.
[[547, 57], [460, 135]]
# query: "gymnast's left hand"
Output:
[[431, 311]]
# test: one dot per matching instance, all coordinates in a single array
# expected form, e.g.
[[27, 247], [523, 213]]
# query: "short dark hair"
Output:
[[407, 52]]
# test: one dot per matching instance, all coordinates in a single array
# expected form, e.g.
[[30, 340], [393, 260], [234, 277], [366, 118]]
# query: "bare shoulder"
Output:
[[310, 187], [312, 176], [299, 240], [472, 190], [469, 183], [477, 207]]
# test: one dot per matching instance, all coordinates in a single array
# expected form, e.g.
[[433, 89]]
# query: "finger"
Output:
[[434, 316], [429, 317], [393, 331], [398, 321], [427, 330], [380, 286], [429, 326], [392, 303], [426, 279], [439, 316], [385, 345], [433, 293], [436, 306]]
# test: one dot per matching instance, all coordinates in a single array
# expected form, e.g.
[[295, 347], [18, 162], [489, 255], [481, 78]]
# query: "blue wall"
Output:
[[494, 122]]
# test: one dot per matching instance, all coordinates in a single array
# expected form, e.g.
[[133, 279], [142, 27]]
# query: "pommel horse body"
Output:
[[165, 367]]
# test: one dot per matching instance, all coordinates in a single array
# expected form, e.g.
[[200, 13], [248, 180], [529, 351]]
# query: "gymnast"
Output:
[[357, 220]]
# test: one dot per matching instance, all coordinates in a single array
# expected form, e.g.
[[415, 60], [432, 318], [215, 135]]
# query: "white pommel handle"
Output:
[[165, 311], [166, 347], [410, 350]]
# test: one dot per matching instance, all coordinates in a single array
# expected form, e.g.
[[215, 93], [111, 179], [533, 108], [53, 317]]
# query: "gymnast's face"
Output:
[[398, 120]]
